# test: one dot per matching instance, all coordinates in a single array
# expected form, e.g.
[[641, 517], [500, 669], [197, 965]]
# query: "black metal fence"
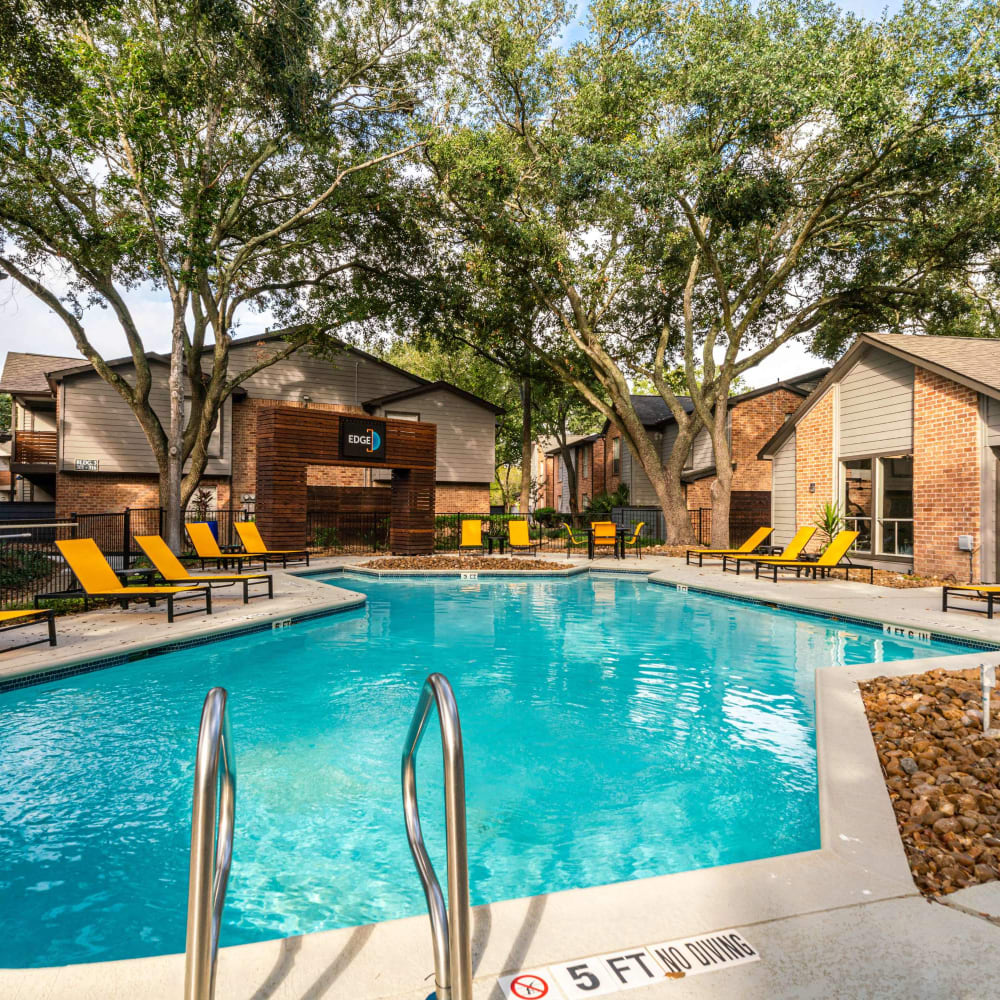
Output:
[[349, 532], [30, 563]]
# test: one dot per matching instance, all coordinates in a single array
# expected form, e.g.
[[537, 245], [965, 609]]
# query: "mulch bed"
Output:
[[461, 562], [942, 773]]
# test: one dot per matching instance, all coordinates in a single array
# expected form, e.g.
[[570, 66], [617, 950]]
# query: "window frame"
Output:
[[876, 460], [616, 456]]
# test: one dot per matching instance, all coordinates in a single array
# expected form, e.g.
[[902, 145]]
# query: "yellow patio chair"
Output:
[[755, 540], [605, 535], [518, 537], [635, 540], [829, 560], [792, 550], [98, 580], [10, 620], [254, 544], [573, 539], [174, 571], [987, 592], [472, 536], [207, 548]]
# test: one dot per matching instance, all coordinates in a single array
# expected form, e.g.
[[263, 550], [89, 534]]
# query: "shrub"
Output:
[[20, 567], [326, 538], [603, 503], [545, 515]]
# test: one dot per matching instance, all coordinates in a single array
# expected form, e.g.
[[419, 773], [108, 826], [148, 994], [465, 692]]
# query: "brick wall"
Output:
[[814, 463], [462, 498], [946, 471], [754, 423], [98, 493]]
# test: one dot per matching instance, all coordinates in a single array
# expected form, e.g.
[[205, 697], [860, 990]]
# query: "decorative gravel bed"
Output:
[[462, 562], [942, 773]]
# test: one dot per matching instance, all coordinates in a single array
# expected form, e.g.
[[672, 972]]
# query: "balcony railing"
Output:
[[34, 447]]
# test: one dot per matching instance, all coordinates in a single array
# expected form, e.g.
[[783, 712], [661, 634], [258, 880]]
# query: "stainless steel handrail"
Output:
[[451, 927], [211, 854]]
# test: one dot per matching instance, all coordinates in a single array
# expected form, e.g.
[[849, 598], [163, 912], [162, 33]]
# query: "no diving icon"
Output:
[[527, 986]]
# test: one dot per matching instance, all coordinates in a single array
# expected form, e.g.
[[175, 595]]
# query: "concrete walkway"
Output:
[[842, 921]]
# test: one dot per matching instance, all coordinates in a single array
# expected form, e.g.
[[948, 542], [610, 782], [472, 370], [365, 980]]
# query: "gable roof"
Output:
[[654, 412], [970, 361], [25, 373], [574, 440], [420, 390], [80, 367]]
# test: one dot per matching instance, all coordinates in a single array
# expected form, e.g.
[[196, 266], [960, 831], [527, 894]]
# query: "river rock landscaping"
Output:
[[942, 773]]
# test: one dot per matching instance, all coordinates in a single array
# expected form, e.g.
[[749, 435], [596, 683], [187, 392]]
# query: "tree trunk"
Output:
[[170, 484], [666, 479], [722, 487], [525, 445]]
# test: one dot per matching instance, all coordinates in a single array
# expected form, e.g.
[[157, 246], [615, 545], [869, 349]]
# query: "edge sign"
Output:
[[361, 438]]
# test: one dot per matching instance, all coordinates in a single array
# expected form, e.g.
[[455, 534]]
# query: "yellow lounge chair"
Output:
[[989, 592], [518, 537], [572, 539], [254, 544], [791, 551], [635, 541], [821, 567], [98, 580], [605, 535], [174, 571], [207, 548], [753, 542], [10, 620], [472, 536]]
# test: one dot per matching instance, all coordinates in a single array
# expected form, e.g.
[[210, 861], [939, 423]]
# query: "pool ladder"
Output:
[[450, 927], [212, 823], [211, 845]]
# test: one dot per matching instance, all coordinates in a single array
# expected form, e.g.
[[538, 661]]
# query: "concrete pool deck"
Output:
[[842, 921]]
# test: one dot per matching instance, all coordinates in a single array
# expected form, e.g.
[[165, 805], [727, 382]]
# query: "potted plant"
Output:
[[201, 504]]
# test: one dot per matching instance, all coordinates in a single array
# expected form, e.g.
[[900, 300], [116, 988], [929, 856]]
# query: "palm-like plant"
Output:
[[830, 521]]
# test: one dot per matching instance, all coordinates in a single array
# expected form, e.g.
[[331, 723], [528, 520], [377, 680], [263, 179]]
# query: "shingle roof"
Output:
[[653, 410], [25, 373], [422, 390], [976, 358]]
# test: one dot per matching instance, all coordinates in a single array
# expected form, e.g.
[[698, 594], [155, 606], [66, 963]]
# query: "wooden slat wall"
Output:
[[289, 439]]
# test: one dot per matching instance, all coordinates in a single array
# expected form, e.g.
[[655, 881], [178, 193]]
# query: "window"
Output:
[[396, 415], [858, 501], [877, 500], [896, 511], [616, 456], [584, 462]]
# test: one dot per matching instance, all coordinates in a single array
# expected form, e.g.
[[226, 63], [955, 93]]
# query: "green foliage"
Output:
[[21, 567], [326, 538], [830, 520], [604, 503], [5, 413], [545, 515]]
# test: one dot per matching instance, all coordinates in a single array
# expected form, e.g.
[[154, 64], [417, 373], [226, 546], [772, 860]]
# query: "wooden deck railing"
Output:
[[34, 447]]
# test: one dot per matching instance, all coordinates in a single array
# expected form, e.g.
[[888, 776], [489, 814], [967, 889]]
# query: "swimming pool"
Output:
[[614, 730]]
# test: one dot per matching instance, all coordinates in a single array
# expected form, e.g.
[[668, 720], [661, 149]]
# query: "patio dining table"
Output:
[[621, 534]]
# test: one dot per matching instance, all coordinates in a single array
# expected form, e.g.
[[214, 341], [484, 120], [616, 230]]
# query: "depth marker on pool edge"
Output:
[[629, 968]]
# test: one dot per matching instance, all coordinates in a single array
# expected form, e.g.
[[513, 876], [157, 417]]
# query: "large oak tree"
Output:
[[233, 157]]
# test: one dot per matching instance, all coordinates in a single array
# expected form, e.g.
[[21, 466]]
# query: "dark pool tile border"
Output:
[[943, 637], [44, 676]]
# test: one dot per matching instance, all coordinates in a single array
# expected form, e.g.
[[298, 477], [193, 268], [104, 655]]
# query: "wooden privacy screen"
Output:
[[289, 439]]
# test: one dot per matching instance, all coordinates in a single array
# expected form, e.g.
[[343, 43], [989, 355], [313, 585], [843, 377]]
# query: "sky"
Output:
[[27, 325]]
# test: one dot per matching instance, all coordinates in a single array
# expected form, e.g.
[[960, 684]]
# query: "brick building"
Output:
[[76, 441], [753, 417], [904, 435]]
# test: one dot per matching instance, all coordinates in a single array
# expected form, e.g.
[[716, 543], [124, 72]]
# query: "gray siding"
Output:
[[702, 456], [640, 489], [783, 493], [993, 421], [876, 406], [563, 486], [466, 434], [97, 423], [323, 381]]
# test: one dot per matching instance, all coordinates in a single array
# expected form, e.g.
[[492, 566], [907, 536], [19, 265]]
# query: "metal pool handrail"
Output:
[[209, 871], [450, 928]]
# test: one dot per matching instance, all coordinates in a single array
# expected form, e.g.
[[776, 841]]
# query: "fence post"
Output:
[[126, 538], [159, 521]]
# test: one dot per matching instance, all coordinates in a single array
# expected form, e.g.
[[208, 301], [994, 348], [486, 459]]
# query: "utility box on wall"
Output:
[[965, 543]]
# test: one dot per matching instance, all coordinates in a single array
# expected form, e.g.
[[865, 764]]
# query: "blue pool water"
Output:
[[614, 730]]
